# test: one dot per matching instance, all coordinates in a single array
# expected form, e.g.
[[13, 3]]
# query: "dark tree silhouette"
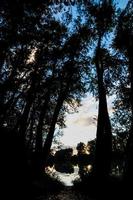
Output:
[[103, 16], [46, 66], [124, 43], [42, 71]]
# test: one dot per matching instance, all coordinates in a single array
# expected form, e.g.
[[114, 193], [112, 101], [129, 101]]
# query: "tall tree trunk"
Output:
[[22, 123], [40, 124], [24, 119], [129, 148], [48, 142], [104, 134], [104, 137], [38, 159]]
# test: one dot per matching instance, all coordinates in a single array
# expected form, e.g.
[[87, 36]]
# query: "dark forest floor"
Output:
[[66, 194]]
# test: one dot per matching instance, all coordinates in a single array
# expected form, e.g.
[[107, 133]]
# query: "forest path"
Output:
[[67, 194]]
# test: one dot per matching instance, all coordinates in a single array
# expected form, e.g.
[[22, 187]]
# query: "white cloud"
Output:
[[86, 120], [81, 126]]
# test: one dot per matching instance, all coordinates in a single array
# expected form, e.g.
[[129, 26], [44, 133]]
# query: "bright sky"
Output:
[[81, 126], [121, 3]]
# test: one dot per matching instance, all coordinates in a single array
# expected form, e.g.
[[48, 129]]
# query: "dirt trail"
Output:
[[66, 194]]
